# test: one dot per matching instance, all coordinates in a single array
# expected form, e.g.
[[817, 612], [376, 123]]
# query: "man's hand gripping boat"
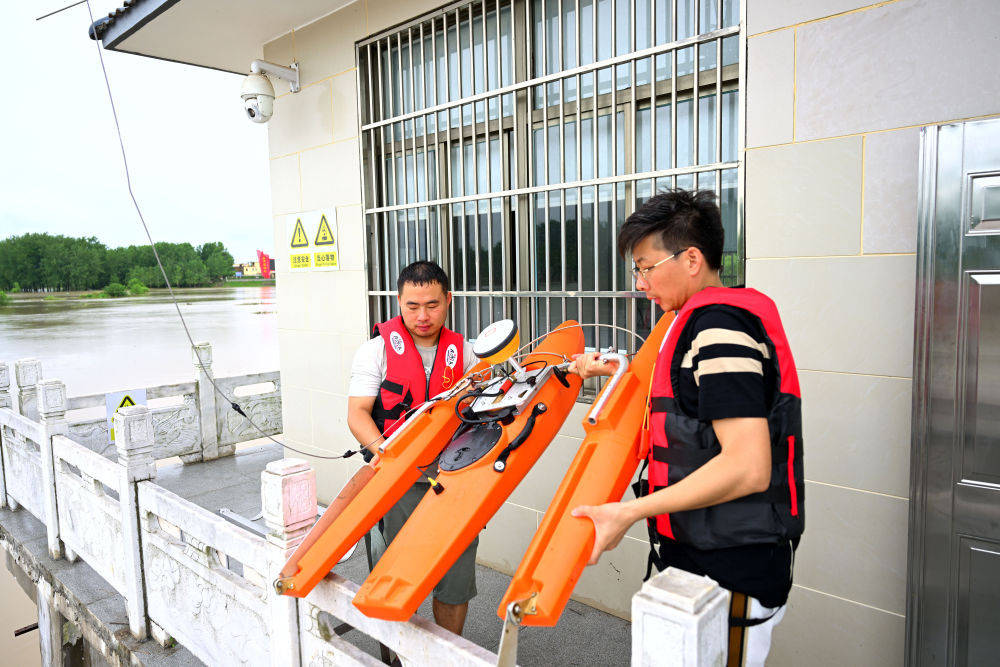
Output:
[[600, 473], [517, 416]]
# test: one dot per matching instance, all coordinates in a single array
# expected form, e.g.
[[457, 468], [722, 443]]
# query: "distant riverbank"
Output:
[[156, 291], [100, 345]]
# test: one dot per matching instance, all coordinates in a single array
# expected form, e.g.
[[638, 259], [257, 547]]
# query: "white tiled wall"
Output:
[[834, 90], [831, 235]]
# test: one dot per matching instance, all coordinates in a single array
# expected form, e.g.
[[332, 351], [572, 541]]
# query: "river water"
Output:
[[101, 345]]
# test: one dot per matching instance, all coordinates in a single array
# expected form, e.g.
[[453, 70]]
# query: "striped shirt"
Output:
[[725, 367]]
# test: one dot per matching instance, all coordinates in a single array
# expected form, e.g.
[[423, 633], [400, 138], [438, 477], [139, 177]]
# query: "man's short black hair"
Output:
[[680, 219], [423, 273]]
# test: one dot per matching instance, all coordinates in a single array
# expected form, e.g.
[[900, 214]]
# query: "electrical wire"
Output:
[[235, 406], [575, 326], [128, 180]]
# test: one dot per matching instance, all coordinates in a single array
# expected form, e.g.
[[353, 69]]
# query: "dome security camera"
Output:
[[257, 91], [258, 98]]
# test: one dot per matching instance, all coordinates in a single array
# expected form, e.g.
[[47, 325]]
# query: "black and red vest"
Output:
[[406, 385], [681, 443]]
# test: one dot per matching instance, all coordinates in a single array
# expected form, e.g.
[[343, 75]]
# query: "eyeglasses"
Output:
[[643, 273]]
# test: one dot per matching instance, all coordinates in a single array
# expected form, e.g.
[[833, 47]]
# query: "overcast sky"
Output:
[[199, 168]]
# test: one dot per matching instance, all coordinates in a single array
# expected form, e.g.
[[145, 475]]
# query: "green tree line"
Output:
[[44, 261]]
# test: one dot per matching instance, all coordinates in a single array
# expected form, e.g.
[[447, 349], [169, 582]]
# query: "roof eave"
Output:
[[141, 13]]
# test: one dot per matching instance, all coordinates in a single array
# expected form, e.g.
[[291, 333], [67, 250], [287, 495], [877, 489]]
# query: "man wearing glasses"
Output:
[[725, 493]]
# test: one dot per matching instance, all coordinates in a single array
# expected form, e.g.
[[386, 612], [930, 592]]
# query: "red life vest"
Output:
[[406, 385], [681, 443]]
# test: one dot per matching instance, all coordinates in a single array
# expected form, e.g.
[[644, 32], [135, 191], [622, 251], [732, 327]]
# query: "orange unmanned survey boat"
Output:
[[506, 427], [492, 429], [600, 473]]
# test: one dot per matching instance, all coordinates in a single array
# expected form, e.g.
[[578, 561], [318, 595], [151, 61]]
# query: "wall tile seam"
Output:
[[328, 394], [857, 490], [312, 148], [863, 375], [821, 19], [861, 238], [869, 255], [865, 133], [299, 156], [843, 599], [329, 77], [795, 79], [523, 507]]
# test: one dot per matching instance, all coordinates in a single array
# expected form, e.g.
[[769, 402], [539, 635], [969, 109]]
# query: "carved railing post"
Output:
[[134, 441], [692, 611], [6, 402], [202, 354], [288, 498], [52, 408], [28, 373]]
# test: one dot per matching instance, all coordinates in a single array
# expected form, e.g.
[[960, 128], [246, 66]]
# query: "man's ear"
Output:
[[694, 260], [447, 299]]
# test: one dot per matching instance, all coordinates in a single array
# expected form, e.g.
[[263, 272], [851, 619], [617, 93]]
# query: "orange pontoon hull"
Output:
[[600, 473], [369, 495], [443, 526]]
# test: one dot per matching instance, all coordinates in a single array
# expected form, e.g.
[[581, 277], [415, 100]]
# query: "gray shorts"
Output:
[[458, 585]]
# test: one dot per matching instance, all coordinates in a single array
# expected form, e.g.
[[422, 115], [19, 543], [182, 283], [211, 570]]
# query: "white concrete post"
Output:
[[288, 499], [52, 408], [28, 373], [134, 441], [6, 402], [679, 619], [50, 624], [202, 355]]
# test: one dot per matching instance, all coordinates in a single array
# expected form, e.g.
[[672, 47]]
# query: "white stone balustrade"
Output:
[[202, 354], [6, 403], [679, 619], [28, 373], [188, 574], [288, 500], [134, 441], [52, 409]]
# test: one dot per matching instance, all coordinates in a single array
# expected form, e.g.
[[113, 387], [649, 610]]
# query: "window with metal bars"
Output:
[[508, 141]]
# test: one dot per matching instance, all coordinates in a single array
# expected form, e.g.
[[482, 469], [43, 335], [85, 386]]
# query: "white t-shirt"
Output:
[[369, 367]]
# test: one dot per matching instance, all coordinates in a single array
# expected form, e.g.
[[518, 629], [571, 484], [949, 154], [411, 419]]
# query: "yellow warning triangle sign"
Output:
[[127, 402], [323, 235], [299, 238]]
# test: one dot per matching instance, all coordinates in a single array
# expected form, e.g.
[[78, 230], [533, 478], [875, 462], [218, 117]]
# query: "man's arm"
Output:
[[741, 468], [359, 420]]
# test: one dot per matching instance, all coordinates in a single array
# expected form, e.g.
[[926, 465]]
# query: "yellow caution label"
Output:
[[299, 238], [323, 235], [126, 402], [326, 258], [300, 261]]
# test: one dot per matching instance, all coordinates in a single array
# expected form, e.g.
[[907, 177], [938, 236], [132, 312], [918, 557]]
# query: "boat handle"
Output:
[[610, 386], [501, 463]]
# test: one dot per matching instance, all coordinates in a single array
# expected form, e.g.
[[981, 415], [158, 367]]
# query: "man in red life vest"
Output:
[[410, 359], [725, 463]]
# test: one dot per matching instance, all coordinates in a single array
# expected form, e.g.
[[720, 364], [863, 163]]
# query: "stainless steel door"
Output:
[[953, 615]]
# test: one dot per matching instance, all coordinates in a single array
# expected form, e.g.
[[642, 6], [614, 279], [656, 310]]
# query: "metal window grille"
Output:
[[508, 140]]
